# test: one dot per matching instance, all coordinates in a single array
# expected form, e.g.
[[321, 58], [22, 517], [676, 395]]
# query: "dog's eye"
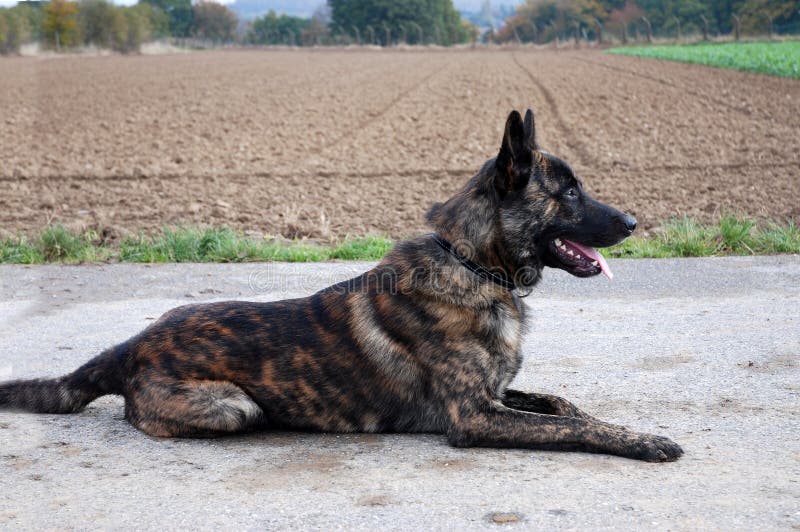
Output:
[[572, 192]]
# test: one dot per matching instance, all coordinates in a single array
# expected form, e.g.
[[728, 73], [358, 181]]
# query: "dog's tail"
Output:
[[64, 395]]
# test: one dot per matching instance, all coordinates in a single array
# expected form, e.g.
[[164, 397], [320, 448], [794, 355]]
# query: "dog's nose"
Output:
[[629, 222]]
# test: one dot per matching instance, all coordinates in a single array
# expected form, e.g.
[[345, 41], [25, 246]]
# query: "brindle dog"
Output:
[[427, 341]]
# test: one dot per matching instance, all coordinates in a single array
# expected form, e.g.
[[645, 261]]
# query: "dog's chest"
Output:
[[504, 325]]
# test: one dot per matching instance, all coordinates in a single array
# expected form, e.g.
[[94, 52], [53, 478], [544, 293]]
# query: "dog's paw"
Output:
[[652, 448]]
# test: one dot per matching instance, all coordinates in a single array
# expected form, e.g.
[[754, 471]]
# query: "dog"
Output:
[[427, 341]]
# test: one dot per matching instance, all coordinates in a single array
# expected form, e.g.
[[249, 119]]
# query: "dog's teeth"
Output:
[[577, 256], [594, 263], [563, 247], [558, 242], [570, 252]]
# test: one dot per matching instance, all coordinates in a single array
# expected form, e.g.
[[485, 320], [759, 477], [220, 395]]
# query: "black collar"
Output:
[[497, 277]]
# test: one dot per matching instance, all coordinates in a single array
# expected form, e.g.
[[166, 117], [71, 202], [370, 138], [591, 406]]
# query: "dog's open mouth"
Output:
[[582, 261]]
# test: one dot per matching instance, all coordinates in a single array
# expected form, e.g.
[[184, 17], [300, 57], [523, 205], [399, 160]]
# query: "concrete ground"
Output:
[[705, 351]]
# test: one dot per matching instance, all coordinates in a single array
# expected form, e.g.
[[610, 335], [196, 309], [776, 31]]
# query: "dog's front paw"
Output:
[[652, 448]]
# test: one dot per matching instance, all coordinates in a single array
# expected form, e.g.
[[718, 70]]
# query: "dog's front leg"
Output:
[[541, 403], [492, 424]]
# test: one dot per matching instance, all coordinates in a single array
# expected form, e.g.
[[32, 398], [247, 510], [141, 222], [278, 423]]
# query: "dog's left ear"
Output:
[[514, 161], [530, 129]]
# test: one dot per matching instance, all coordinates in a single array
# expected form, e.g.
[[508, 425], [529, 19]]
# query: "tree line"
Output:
[[542, 21], [376, 22], [63, 24]]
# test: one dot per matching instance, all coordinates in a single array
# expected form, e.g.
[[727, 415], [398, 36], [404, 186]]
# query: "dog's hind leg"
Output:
[[540, 403], [191, 409]]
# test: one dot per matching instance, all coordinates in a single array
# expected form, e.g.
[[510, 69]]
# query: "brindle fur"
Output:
[[417, 344]]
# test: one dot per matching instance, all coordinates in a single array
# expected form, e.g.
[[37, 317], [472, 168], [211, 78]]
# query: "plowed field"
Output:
[[324, 144]]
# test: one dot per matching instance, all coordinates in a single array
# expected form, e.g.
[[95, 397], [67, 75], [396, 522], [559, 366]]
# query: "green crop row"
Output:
[[773, 58]]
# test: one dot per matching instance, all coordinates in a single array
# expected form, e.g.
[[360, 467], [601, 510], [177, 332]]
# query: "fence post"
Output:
[[705, 27], [624, 33], [555, 34], [388, 34], [420, 39], [649, 30], [736, 26], [577, 34], [678, 29], [535, 33], [599, 31]]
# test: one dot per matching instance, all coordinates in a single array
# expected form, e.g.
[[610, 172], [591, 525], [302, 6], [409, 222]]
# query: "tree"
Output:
[[179, 13], [139, 26], [274, 29], [99, 21], [4, 48], [759, 15], [157, 20], [14, 30], [213, 21], [622, 18], [664, 13], [60, 25], [393, 19], [32, 16], [317, 31], [538, 20]]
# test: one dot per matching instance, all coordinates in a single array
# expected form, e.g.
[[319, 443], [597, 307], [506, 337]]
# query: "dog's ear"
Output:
[[530, 129], [515, 158]]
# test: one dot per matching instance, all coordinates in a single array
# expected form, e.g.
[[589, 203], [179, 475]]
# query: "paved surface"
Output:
[[704, 351]]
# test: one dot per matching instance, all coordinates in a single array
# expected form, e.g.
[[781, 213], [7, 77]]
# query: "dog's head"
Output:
[[527, 209]]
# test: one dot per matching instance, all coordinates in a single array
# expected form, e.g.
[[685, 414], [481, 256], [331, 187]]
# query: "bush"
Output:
[[139, 27], [99, 22], [123, 29], [14, 30], [3, 31]]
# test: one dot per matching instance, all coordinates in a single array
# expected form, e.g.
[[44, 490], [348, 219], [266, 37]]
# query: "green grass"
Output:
[[56, 244], [681, 237], [773, 58], [731, 235]]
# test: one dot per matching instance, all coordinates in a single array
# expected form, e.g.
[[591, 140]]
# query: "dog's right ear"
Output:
[[514, 161], [530, 129]]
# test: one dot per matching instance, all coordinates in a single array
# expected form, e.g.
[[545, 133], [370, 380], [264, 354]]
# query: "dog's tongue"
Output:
[[593, 254]]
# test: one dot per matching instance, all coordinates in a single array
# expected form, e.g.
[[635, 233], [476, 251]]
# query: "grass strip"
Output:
[[680, 237], [179, 244], [774, 58], [731, 235]]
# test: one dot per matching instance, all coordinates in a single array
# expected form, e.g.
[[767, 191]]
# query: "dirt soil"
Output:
[[323, 144]]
